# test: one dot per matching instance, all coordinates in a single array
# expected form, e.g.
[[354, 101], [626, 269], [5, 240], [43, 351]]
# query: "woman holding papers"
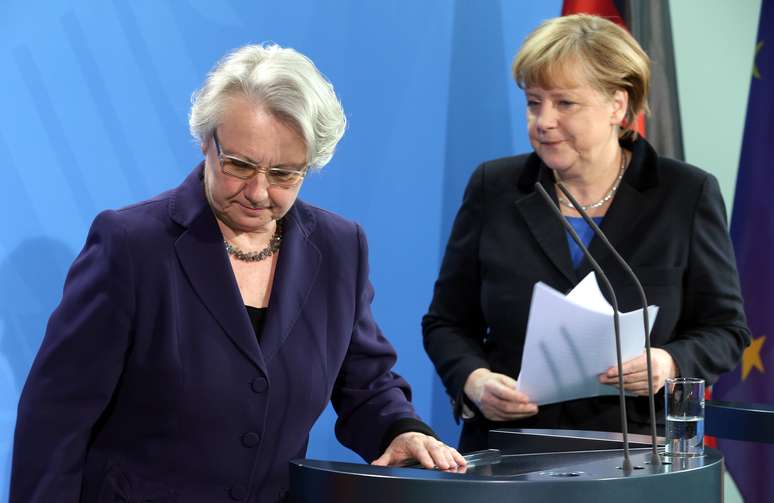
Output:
[[585, 81]]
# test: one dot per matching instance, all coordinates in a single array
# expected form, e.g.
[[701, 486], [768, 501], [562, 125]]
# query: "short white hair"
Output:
[[283, 81]]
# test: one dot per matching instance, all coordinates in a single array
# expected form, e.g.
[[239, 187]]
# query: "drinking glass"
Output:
[[684, 416]]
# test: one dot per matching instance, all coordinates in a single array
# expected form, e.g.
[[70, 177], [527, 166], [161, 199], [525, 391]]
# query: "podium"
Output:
[[545, 465], [527, 465]]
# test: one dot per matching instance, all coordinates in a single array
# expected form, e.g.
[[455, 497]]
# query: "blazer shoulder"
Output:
[[683, 172], [505, 166], [689, 182], [147, 215], [142, 222], [324, 223], [503, 175]]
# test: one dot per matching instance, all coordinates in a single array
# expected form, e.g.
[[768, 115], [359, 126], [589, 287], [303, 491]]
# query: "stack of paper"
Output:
[[571, 340]]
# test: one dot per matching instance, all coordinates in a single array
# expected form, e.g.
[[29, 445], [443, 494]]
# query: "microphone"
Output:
[[627, 463], [655, 460]]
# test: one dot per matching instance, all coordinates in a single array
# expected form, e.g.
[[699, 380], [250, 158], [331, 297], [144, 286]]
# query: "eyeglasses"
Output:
[[246, 170]]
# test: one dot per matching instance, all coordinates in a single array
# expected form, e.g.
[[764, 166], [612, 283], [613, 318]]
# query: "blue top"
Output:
[[585, 232]]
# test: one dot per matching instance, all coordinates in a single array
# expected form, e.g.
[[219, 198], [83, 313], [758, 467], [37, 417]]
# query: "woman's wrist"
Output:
[[471, 388]]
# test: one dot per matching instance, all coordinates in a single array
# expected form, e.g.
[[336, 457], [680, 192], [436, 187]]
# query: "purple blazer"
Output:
[[150, 384]]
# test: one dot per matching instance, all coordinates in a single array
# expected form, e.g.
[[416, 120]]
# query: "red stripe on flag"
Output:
[[708, 440], [603, 8]]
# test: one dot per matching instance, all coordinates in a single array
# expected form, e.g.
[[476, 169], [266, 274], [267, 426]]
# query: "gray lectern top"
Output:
[[499, 476], [545, 465]]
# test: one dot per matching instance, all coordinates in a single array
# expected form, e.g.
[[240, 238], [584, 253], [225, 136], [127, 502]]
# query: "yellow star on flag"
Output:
[[752, 357], [756, 72]]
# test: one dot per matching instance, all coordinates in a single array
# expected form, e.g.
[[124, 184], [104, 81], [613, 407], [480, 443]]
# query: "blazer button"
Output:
[[250, 439], [259, 384], [238, 492]]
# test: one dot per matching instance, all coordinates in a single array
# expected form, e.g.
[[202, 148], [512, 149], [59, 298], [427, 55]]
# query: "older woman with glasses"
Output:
[[203, 331]]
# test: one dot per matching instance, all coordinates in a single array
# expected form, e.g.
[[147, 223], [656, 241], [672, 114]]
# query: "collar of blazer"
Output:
[[204, 260], [619, 223], [641, 173]]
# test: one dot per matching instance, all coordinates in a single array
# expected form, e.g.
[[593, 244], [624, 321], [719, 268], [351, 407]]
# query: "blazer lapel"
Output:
[[627, 209], [297, 269], [619, 225], [205, 262], [542, 223]]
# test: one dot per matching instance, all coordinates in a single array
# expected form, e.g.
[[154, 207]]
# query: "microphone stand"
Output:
[[627, 463], [655, 459]]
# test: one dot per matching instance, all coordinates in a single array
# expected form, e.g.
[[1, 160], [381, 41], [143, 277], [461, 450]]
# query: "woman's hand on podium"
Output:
[[497, 397], [635, 372], [430, 452]]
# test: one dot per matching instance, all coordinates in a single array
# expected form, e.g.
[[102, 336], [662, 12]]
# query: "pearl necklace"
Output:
[[609, 195]]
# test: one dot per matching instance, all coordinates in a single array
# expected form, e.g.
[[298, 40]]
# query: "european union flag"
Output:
[[752, 231]]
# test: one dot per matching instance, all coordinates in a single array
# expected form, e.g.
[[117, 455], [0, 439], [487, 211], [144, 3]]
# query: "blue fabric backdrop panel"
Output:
[[97, 96]]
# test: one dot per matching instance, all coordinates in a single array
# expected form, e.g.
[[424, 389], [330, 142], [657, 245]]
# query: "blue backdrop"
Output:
[[97, 96]]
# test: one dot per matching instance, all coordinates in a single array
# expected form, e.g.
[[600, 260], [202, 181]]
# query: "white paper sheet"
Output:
[[570, 341]]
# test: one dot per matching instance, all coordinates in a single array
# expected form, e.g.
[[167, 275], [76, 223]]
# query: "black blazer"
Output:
[[667, 220]]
